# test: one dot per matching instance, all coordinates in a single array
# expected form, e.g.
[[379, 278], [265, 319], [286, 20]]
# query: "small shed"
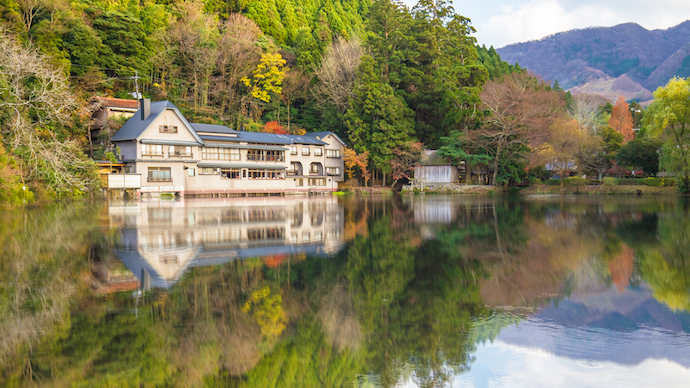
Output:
[[433, 169]]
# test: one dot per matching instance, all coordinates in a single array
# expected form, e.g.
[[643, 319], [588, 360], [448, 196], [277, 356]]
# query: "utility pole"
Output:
[[136, 87]]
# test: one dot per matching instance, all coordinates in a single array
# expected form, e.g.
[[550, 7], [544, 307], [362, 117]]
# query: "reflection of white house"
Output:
[[169, 154], [161, 239]]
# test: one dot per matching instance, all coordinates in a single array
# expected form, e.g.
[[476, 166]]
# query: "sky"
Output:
[[503, 22]]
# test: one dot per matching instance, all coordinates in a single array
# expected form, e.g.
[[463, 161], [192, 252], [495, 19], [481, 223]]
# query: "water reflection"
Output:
[[374, 291], [162, 240]]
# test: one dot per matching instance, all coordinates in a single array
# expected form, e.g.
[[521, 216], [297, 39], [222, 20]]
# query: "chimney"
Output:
[[145, 108]]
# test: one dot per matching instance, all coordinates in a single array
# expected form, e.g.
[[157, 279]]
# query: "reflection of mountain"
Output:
[[625, 328], [160, 240]]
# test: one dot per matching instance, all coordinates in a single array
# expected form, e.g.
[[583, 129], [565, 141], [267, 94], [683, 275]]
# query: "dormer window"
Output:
[[167, 129]]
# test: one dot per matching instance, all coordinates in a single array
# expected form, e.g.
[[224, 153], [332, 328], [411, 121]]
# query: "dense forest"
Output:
[[379, 74], [390, 80]]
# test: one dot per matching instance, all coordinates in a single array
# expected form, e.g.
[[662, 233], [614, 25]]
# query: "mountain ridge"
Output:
[[598, 54]]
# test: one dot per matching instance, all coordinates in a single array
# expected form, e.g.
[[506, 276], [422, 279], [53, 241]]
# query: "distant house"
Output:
[[107, 107], [433, 169], [170, 154]]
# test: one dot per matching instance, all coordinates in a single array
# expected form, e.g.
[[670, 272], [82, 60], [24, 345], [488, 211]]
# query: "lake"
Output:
[[332, 291]]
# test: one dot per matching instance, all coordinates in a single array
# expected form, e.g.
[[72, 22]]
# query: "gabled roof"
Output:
[[322, 134], [251, 137], [135, 126]]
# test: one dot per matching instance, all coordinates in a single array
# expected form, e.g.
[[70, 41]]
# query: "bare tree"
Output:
[[29, 10], [33, 94], [238, 55], [337, 73], [295, 85], [586, 109]]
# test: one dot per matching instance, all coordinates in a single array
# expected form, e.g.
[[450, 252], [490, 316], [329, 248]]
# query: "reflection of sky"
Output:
[[505, 365]]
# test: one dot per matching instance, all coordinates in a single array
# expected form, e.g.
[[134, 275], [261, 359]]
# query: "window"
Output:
[[275, 156], [333, 170], [256, 155], [333, 153], [215, 153], [299, 182], [264, 174], [152, 150], [128, 169], [167, 128], [180, 151], [159, 174], [230, 173], [305, 151], [208, 171], [191, 172], [293, 150], [315, 168], [295, 168], [318, 151], [317, 182]]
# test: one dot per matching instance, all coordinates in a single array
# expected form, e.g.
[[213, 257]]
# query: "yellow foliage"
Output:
[[267, 78], [267, 310]]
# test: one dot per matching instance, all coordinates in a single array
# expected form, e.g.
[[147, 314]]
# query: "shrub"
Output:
[[655, 182]]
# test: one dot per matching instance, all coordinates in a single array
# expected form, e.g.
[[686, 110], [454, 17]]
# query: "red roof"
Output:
[[118, 102]]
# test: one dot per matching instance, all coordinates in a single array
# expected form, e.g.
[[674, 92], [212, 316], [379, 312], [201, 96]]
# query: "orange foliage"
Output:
[[360, 161], [621, 268], [274, 261], [621, 120], [274, 127]]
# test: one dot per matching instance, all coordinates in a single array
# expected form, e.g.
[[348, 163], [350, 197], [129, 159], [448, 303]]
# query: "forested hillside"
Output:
[[624, 59], [383, 76]]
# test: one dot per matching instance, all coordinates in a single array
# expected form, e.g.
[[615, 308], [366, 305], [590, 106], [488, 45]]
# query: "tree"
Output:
[[561, 147], [274, 127], [378, 120], [458, 149], [405, 156], [621, 120], [669, 118], [267, 78], [337, 73], [295, 86], [586, 109], [520, 112], [238, 54], [640, 154], [35, 99], [354, 160]]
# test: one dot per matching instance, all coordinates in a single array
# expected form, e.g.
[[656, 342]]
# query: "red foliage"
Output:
[[274, 127], [274, 261]]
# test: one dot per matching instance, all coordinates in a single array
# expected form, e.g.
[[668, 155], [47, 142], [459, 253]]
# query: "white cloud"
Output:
[[520, 22]]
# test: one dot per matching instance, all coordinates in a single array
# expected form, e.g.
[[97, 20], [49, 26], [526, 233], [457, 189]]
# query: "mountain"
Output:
[[626, 59]]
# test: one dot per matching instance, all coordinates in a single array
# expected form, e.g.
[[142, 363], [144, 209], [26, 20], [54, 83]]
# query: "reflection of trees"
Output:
[[45, 254], [665, 266]]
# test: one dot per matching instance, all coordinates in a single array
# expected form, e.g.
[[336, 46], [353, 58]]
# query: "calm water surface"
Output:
[[431, 291]]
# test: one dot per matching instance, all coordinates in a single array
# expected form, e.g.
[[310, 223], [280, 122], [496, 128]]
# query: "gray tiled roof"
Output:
[[135, 126], [213, 128], [323, 134]]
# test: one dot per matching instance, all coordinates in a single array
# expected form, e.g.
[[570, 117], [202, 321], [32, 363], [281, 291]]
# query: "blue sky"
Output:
[[502, 22]]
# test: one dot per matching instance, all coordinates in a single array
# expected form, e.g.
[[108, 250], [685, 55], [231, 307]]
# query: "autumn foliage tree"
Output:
[[520, 110], [621, 120], [405, 156], [274, 127], [354, 161]]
